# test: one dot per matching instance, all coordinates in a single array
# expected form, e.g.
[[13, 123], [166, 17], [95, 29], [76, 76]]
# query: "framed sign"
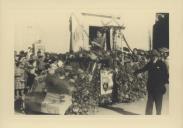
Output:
[[106, 83]]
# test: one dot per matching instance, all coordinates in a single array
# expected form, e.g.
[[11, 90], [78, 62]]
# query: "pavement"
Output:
[[135, 108]]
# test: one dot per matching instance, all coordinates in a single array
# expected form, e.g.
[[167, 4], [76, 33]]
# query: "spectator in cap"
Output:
[[157, 78], [135, 55]]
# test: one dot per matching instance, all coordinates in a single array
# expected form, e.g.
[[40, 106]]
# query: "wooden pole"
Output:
[[150, 42], [97, 15], [70, 29]]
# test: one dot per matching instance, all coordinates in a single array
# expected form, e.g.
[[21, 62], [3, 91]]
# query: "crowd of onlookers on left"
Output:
[[28, 66]]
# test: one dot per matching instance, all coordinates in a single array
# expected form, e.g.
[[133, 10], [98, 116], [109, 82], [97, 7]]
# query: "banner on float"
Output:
[[106, 83]]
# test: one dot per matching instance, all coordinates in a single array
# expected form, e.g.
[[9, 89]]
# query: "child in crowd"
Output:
[[19, 83]]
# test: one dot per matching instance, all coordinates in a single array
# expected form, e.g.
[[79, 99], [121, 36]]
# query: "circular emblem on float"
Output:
[[105, 86]]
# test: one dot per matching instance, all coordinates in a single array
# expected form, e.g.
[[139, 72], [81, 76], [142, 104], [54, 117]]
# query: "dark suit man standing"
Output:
[[157, 78]]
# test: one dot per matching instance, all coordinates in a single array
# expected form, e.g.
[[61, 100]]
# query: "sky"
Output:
[[52, 26]]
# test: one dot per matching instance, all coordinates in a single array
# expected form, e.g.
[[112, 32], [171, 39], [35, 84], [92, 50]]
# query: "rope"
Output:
[[122, 35], [127, 43]]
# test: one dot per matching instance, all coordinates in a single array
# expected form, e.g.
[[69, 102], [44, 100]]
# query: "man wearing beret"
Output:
[[157, 78]]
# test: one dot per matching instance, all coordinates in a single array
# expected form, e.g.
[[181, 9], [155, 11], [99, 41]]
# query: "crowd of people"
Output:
[[29, 65]]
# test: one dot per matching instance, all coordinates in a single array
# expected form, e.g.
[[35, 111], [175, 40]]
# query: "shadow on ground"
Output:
[[119, 110]]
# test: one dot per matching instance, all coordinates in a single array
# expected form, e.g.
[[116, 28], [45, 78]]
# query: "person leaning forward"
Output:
[[157, 78]]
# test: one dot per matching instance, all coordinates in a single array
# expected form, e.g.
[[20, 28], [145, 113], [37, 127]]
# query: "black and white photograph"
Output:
[[91, 63]]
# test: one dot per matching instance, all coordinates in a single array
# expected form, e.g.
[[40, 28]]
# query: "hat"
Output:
[[164, 50], [155, 53]]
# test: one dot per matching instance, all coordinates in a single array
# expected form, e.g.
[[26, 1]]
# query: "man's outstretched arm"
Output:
[[145, 68]]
